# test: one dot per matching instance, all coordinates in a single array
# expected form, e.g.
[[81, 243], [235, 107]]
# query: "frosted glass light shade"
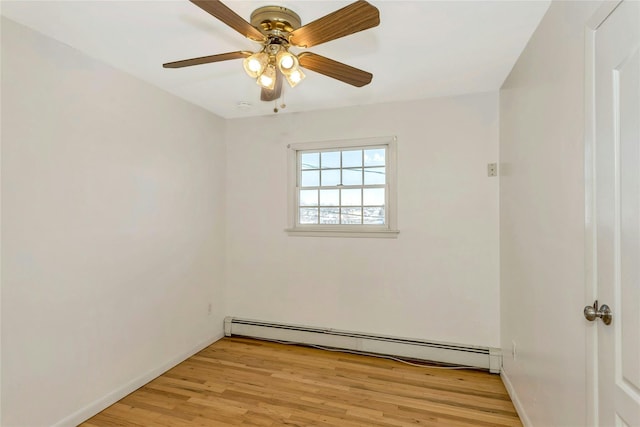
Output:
[[295, 77], [268, 78], [255, 64], [286, 61]]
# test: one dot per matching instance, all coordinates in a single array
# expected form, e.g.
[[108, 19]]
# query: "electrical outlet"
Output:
[[492, 169], [514, 354]]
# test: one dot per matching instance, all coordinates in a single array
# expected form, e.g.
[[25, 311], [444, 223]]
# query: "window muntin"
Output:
[[342, 187]]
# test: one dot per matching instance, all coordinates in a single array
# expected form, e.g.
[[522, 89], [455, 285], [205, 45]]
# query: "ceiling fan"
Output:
[[277, 29]]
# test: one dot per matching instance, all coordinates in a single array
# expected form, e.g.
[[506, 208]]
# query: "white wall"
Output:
[[438, 280], [112, 230], [542, 221]]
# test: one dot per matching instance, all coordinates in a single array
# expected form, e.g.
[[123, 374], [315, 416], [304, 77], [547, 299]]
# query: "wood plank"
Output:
[[244, 382]]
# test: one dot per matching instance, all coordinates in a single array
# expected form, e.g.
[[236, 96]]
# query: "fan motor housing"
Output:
[[275, 20]]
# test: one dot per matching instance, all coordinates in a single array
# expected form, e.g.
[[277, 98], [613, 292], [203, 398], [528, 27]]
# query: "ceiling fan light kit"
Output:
[[272, 59], [277, 29]]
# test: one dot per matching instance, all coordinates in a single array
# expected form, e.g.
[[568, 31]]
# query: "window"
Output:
[[343, 188]]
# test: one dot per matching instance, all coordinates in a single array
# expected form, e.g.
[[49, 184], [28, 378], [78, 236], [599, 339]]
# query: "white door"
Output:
[[617, 213]]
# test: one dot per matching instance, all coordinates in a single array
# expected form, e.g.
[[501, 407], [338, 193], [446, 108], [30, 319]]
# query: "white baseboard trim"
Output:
[[98, 405], [526, 422]]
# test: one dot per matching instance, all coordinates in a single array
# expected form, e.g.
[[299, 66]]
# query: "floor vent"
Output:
[[455, 354]]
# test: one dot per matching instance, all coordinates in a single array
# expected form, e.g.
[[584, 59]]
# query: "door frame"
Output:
[[591, 286]]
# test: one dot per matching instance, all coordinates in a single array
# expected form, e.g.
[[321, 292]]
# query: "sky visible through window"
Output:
[[342, 187]]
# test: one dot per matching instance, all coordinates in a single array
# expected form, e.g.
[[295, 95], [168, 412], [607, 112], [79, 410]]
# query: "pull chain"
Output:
[[283, 105]]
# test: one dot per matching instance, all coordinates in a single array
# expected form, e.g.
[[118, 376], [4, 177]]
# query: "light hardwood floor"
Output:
[[238, 381]]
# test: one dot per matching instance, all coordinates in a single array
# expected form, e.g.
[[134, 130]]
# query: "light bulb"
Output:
[[255, 64], [265, 81], [268, 78], [286, 61], [295, 77]]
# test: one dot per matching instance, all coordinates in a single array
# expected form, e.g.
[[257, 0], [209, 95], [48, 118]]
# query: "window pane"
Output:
[[343, 186], [329, 215], [351, 176], [310, 179], [310, 161], [330, 159], [374, 157], [308, 215], [374, 176], [374, 215], [351, 216], [329, 197], [351, 197], [373, 197], [351, 158], [330, 178], [308, 197]]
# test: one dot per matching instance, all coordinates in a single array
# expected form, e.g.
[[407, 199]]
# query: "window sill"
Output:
[[302, 232]]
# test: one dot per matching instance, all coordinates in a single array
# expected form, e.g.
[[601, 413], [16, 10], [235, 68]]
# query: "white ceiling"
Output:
[[421, 49]]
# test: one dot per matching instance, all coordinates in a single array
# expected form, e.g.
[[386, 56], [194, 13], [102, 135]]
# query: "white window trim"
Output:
[[389, 230]]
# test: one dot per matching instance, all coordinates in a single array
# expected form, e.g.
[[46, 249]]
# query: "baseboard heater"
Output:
[[454, 354]]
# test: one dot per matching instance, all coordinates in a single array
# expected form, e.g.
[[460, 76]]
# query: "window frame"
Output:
[[387, 230]]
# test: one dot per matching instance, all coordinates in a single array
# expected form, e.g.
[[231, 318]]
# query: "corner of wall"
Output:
[[103, 402], [520, 409]]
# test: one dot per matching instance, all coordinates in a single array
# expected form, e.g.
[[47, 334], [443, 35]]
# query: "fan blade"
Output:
[[276, 92], [355, 17], [219, 10], [334, 69], [207, 59]]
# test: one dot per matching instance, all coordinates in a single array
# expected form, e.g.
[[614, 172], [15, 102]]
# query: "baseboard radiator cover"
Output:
[[455, 354]]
